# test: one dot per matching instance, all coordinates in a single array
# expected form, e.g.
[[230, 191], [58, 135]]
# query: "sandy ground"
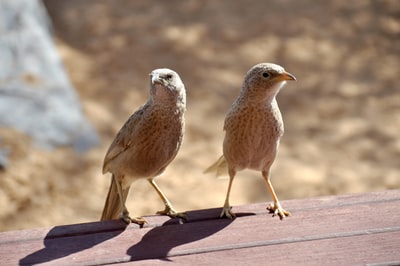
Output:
[[342, 116]]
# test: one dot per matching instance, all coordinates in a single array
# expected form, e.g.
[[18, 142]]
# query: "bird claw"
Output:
[[171, 212], [276, 209], [138, 220], [226, 212]]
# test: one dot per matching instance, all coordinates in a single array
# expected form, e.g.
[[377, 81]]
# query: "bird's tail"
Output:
[[220, 167], [112, 208]]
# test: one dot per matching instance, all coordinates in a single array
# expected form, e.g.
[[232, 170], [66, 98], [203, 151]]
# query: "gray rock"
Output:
[[3, 157], [36, 96]]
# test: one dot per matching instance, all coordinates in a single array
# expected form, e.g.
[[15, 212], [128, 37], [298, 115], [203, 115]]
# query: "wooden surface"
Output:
[[360, 229]]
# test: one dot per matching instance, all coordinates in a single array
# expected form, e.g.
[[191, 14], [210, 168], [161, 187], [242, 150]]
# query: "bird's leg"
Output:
[[275, 207], [226, 210], [125, 214], [169, 209]]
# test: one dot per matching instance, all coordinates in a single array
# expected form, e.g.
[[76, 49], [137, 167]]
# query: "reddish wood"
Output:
[[346, 230]]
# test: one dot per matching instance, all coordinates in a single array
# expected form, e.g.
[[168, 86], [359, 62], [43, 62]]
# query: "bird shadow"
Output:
[[159, 242], [56, 249], [155, 244]]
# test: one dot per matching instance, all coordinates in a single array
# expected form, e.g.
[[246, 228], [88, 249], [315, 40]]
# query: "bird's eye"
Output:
[[265, 75], [169, 76]]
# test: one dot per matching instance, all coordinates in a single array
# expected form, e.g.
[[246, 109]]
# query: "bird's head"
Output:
[[165, 84], [265, 80]]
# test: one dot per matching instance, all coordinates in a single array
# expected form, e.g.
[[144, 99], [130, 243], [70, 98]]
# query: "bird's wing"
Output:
[[124, 138]]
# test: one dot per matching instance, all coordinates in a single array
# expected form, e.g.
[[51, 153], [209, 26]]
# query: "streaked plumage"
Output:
[[253, 127]]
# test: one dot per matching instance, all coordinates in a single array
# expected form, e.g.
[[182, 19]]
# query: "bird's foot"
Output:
[[171, 212], [226, 212], [276, 209], [137, 220]]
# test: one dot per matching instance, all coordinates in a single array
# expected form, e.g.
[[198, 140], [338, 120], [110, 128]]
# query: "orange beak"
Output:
[[286, 76]]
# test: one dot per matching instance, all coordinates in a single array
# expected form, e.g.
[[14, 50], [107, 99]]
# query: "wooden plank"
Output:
[[334, 251], [331, 220]]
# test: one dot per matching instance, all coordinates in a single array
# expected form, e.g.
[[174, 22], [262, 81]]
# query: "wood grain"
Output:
[[333, 230]]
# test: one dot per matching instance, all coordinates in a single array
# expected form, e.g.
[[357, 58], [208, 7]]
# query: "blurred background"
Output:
[[342, 116]]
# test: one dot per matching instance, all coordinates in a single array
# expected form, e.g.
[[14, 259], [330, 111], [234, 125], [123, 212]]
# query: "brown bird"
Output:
[[146, 144], [253, 127]]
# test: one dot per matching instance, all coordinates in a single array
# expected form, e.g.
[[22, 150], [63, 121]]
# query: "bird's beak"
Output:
[[155, 78], [286, 76]]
